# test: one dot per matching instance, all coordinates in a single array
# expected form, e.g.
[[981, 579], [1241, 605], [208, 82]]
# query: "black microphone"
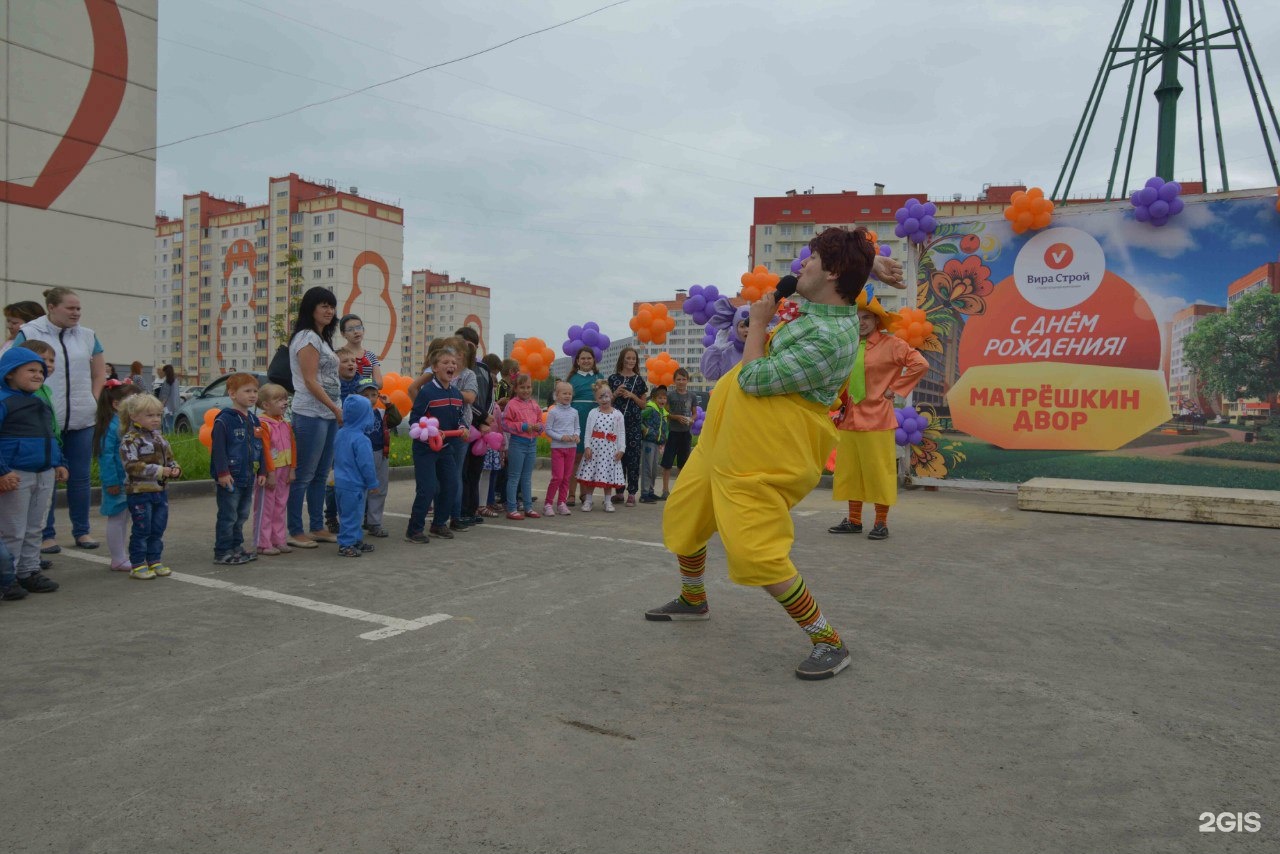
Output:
[[786, 287]]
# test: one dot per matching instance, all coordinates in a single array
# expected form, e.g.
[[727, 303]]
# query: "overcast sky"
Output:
[[616, 158]]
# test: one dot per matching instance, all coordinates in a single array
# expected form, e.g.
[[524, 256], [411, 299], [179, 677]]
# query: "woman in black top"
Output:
[[629, 396]]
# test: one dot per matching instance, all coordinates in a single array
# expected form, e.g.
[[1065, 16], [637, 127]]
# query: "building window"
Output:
[[316, 220], [785, 230], [806, 211], [808, 229], [786, 213], [768, 249], [296, 237], [282, 229], [315, 274], [332, 218], [331, 237], [315, 256], [768, 230], [866, 210], [315, 238], [296, 219], [330, 254]]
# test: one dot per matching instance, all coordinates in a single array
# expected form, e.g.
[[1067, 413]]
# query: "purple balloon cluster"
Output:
[[799, 262], [911, 426], [586, 335], [701, 303], [1157, 202], [699, 415], [916, 221]]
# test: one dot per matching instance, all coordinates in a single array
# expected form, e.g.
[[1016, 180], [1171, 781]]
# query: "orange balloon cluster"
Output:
[[757, 283], [1029, 211], [875, 240], [396, 388], [652, 323], [534, 356], [206, 429], [912, 326], [661, 369]]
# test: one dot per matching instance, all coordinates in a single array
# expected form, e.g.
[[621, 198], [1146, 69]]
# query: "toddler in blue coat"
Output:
[[354, 475]]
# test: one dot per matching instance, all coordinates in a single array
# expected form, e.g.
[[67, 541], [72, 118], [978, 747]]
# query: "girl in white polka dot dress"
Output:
[[605, 438]]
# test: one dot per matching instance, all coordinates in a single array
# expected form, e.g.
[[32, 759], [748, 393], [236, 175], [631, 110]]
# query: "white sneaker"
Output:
[[548, 510], [563, 509], [586, 504], [608, 506]]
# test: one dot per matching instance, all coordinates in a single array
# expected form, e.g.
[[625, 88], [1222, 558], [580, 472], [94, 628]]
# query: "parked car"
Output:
[[190, 392], [190, 415]]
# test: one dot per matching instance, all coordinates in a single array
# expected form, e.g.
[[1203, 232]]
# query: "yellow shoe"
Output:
[[142, 572], [161, 570]]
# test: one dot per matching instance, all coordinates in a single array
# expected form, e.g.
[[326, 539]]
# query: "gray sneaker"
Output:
[[824, 662], [677, 610]]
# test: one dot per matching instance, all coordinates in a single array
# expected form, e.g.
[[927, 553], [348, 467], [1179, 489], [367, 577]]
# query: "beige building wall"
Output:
[[76, 205]]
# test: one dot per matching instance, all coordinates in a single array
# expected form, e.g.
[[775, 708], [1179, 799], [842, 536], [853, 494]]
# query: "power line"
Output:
[[382, 50], [484, 225], [479, 207], [347, 94], [467, 119]]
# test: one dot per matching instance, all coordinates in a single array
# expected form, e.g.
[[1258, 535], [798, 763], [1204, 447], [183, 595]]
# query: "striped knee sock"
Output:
[[691, 590], [805, 611], [855, 512], [882, 515]]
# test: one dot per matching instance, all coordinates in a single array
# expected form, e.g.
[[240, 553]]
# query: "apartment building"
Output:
[[226, 269], [435, 306], [1184, 387]]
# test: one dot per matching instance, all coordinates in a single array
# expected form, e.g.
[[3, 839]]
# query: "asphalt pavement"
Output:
[[1020, 683]]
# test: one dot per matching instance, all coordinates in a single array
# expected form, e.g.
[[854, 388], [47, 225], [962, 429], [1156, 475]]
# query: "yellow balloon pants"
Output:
[[757, 458]]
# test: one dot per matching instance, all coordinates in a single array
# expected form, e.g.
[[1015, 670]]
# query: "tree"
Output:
[[1237, 354], [281, 322]]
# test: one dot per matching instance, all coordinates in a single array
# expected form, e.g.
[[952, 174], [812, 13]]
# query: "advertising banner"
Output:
[[1068, 338]]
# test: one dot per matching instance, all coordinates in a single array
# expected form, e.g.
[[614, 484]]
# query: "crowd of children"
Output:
[[253, 453]]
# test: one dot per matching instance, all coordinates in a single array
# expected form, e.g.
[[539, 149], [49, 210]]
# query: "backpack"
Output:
[[279, 371]]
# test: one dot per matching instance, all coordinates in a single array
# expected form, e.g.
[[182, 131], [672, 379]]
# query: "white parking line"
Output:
[[528, 530], [391, 626]]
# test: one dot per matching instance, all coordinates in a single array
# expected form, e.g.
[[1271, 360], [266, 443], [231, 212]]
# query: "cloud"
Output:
[[834, 96]]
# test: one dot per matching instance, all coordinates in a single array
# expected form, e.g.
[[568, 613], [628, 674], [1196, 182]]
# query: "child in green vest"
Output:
[[654, 430]]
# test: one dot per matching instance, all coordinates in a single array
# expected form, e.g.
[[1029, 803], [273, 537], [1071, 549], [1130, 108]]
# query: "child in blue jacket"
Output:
[[30, 461], [354, 475], [236, 464], [106, 441]]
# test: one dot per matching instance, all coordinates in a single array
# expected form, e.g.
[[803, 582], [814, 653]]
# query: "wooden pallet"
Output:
[[1210, 504]]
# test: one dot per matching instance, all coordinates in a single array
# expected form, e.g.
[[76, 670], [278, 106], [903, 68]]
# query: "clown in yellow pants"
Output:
[[742, 481]]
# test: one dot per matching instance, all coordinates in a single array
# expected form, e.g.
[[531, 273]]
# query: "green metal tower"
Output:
[[1170, 34]]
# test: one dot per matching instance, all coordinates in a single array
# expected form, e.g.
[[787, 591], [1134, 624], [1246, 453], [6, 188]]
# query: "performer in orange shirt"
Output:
[[866, 455]]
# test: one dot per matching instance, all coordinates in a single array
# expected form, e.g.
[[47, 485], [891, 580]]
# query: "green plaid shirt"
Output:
[[810, 356]]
